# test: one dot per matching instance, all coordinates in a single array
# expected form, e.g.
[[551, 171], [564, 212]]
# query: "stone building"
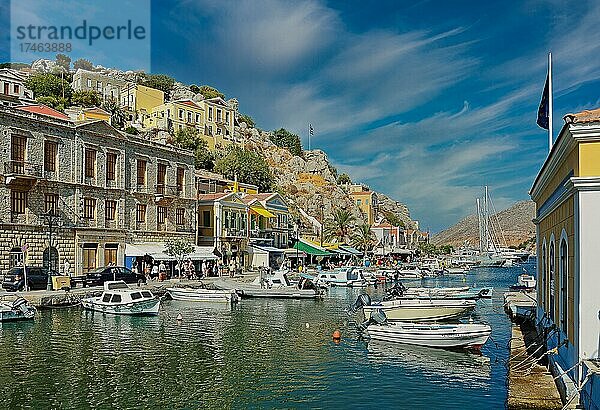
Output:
[[109, 87], [100, 189]]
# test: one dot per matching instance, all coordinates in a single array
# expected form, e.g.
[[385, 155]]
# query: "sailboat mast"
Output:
[[486, 219], [480, 226]]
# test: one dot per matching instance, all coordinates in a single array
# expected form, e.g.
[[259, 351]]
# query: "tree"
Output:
[[248, 166], [363, 238], [83, 64], [117, 115], [210, 92], [57, 103], [49, 85], [428, 248], [393, 219], [63, 61], [339, 226], [179, 248], [132, 130], [159, 81], [194, 88], [248, 120], [190, 138], [86, 98], [343, 179], [285, 139]]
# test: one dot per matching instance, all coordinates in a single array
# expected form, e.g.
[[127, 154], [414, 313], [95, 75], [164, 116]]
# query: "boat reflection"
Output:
[[436, 364]]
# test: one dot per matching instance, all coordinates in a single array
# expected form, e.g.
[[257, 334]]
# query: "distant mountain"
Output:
[[516, 223]]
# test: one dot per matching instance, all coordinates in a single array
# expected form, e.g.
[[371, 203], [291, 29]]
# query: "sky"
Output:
[[425, 101]]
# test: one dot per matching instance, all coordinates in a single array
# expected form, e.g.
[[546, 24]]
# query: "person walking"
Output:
[[154, 273], [66, 268], [162, 269]]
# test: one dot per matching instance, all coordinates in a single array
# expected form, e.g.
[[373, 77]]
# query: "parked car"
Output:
[[99, 276], [37, 278]]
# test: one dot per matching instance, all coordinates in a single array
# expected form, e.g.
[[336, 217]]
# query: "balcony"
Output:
[[166, 192], [234, 233], [20, 173]]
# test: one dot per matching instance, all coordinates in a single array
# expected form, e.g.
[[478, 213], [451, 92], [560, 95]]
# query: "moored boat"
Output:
[[203, 295], [349, 276], [119, 299], [18, 309], [525, 282], [416, 309]]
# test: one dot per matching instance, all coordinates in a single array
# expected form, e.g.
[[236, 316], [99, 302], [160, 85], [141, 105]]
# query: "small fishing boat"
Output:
[[274, 284], [398, 291], [415, 309], [525, 282], [203, 295], [349, 276], [462, 335], [18, 309], [119, 299]]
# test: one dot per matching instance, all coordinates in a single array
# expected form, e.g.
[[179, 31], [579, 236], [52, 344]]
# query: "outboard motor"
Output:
[[377, 317], [362, 300], [396, 291]]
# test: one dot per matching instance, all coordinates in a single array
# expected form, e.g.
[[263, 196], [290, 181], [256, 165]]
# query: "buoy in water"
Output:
[[337, 335], [179, 317]]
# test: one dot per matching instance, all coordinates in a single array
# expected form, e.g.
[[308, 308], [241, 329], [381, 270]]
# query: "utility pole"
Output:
[[50, 217]]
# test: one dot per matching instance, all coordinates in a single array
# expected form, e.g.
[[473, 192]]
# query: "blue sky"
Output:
[[426, 101]]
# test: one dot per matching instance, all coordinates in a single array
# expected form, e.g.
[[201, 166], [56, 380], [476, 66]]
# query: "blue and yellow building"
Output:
[[567, 196]]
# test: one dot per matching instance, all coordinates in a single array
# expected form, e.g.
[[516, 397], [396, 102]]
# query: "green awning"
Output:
[[310, 249]]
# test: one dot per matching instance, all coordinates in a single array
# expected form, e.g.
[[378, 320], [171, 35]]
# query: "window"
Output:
[[99, 86], [189, 117], [180, 178], [181, 114], [564, 285], [180, 216], [15, 257], [111, 166], [6, 89], [17, 153], [197, 117], [358, 202], [210, 116], [542, 277], [367, 201], [141, 213], [227, 117], [50, 203], [161, 174], [218, 131], [161, 214], [206, 218], [210, 130], [146, 294], [50, 150], [110, 253], [136, 296], [116, 298], [89, 82], [109, 210], [90, 163], [18, 202], [89, 208], [141, 172], [89, 255], [219, 115], [16, 88], [106, 297]]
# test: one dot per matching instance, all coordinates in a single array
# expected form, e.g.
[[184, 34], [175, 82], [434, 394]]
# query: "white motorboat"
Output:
[[203, 295], [272, 285], [525, 282], [416, 309], [120, 299], [466, 335], [350, 276], [18, 309], [456, 270]]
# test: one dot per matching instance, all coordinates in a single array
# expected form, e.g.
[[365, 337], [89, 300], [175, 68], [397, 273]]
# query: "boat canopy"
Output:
[[311, 249]]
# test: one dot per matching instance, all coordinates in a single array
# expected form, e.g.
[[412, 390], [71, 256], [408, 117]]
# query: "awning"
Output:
[[157, 251], [311, 249], [291, 253], [262, 212]]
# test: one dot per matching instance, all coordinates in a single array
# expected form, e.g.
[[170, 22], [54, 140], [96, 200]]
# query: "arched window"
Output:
[[551, 270], [50, 259], [15, 257], [542, 277], [564, 285]]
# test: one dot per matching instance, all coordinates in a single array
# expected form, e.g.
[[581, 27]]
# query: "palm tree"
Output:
[[363, 238], [117, 115], [339, 226]]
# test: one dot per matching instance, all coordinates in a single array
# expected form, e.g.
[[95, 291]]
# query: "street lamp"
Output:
[[297, 229], [51, 218]]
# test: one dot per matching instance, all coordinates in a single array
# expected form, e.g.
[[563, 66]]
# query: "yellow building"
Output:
[[567, 196], [219, 122], [140, 99], [176, 115], [87, 114], [366, 200]]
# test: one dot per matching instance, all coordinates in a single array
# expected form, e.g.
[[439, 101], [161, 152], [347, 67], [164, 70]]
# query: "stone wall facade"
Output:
[[81, 221]]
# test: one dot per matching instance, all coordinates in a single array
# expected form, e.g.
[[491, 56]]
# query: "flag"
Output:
[[311, 130], [543, 117]]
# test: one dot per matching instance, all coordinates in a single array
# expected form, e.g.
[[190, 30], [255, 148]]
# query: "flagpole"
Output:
[[309, 137], [549, 102]]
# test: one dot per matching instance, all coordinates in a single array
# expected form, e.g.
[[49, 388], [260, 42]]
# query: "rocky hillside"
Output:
[[516, 223], [309, 183]]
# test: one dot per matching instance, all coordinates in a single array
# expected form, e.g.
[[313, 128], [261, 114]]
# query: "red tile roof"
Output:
[[212, 197], [583, 116], [43, 110], [189, 103]]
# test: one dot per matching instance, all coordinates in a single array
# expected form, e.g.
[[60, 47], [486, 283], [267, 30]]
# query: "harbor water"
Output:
[[258, 353]]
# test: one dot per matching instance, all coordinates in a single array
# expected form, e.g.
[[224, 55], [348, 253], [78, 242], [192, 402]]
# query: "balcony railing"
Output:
[[236, 233], [168, 190], [21, 168]]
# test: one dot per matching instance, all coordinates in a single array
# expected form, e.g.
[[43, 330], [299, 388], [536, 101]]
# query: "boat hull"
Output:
[[203, 295], [420, 309], [435, 335], [141, 308], [249, 291]]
